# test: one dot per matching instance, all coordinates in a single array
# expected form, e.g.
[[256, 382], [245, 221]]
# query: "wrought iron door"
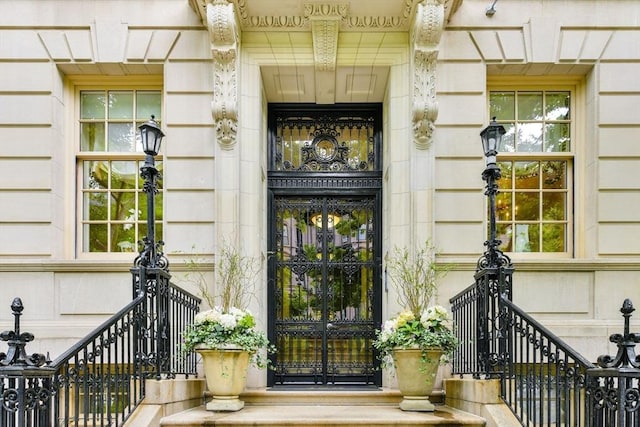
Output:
[[324, 290], [325, 187]]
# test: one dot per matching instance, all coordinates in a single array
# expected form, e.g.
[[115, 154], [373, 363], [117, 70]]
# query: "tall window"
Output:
[[112, 204], [534, 203]]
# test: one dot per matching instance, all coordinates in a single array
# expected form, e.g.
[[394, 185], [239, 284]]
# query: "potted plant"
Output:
[[416, 339], [225, 335]]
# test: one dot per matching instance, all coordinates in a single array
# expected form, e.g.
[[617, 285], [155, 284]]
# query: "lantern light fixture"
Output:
[[151, 137], [492, 140]]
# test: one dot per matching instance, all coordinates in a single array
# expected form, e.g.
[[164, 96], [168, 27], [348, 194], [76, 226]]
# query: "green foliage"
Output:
[[414, 275], [409, 331], [216, 328]]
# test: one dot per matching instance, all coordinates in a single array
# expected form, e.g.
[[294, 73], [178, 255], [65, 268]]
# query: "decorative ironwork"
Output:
[[324, 325], [614, 389], [325, 175], [100, 380], [318, 140], [493, 258], [17, 341], [25, 379], [493, 279]]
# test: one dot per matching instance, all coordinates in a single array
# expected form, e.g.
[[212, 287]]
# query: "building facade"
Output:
[[317, 136]]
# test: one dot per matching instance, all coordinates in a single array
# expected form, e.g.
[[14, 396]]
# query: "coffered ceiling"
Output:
[[325, 51]]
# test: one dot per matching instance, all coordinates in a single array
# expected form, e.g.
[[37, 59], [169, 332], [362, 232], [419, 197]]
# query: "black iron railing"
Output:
[[614, 392], [100, 380], [544, 381]]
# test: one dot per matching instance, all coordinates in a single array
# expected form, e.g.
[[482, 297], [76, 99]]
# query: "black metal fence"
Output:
[[100, 380], [544, 381]]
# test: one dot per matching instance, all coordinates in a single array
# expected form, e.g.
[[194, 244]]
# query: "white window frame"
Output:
[[550, 84], [92, 84]]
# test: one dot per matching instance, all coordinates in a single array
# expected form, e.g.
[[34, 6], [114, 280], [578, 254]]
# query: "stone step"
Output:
[[323, 407], [334, 396], [322, 416]]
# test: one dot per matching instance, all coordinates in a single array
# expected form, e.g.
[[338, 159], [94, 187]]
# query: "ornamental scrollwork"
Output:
[[223, 32]]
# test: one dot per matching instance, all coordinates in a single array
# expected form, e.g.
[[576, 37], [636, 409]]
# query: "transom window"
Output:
[[113, 206], [533, 206]]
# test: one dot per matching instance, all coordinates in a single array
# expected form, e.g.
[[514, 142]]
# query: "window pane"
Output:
[[123, 206], [123, 238], [503, 207], [554, 206], [557, 107], [527, 206], [123, 175], [554, 174], [97, 241], [557, 137], [502, 105], [122, 137], [147, 105], [526, 238], [92, 105], [504, 233], [553, 237], [505, 182], [529, 105], [120, 105], [527, 175], [96, 174], [95, 206], [508, 139], [529, 137], [92, 137]]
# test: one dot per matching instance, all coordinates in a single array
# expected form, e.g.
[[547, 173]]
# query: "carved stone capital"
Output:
[[426, 33], [223, 32]]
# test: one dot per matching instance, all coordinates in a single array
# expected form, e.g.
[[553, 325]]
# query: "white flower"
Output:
[[433, 316], [228, 321]]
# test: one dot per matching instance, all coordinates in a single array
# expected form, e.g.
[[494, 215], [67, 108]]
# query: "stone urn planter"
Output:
[[416, 372], [225, 372]]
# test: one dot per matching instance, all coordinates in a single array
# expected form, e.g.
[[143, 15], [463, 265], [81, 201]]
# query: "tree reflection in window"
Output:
[[532, 207], [113, 206]]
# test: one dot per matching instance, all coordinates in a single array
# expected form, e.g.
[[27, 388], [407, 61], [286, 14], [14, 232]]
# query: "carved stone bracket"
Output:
[[223, 32], [427, 30]]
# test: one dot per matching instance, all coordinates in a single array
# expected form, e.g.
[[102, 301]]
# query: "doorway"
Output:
[[324, 245]]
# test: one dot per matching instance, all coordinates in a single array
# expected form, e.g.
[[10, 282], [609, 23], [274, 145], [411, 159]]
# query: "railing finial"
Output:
[[16, 354], [626, 357]]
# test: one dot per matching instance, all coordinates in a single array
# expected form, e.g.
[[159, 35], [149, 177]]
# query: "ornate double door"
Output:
[[324, 289]]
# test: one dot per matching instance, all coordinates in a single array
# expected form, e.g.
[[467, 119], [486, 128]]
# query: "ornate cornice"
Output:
[[426, 32], [224, 35], [297, 21]]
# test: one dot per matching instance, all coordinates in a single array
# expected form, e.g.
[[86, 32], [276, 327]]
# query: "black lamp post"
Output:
[[151, 137], [491, 141]]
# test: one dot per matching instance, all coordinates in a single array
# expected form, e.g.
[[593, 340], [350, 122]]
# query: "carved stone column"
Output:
[[224, 34], [427, 30]]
